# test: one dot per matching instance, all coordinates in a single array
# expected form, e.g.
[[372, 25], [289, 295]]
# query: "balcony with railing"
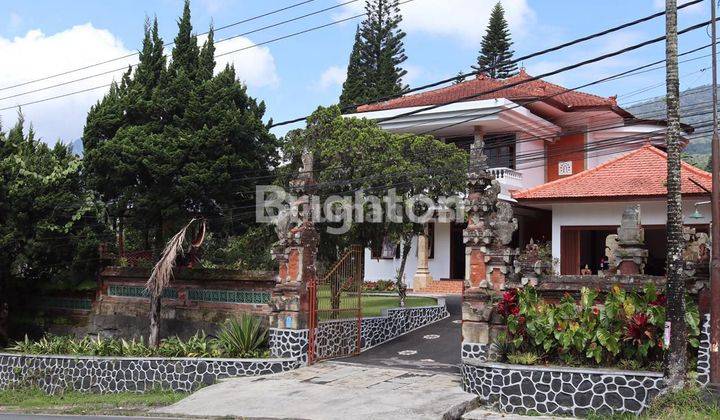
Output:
[[509, 178]]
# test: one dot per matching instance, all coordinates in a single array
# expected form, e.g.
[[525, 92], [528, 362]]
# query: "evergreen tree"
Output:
[[374, 70], [207, 57], [495, 53], [353, 86], [185, 54], [173, 141]]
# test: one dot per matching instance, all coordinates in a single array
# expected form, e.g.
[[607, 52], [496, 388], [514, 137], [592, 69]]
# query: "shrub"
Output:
[[243, 338], [526, 358], [627, 326], [379, 286]]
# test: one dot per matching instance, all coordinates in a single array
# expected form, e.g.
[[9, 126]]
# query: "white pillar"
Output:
[[422, 277]]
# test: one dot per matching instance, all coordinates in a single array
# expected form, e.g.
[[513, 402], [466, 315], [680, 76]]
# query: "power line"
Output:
[[52, 76], [166, 55], [514, 61], [314, 28], [544, 75]]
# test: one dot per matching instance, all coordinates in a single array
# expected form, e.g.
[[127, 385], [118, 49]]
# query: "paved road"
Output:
[[435, 347], [330, 390], [10, 416]]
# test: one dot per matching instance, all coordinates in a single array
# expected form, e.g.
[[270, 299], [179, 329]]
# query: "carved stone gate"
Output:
[[335, 312]]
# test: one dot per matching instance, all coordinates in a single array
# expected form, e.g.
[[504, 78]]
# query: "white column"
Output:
[[422, 276]]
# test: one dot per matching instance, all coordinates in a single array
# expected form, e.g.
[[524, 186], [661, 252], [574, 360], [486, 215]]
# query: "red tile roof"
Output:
[[525, 91], [640, 173]]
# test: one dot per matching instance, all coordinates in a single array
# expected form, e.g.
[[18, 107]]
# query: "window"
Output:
[[499, 148]]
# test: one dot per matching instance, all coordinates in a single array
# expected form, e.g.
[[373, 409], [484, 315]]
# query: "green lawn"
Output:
[[372, 305], [126, 403]]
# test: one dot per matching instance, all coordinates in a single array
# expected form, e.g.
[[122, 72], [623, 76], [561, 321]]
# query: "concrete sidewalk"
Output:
[[331, 391]]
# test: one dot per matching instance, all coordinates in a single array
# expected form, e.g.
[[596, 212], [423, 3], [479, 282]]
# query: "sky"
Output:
[[295, 75]]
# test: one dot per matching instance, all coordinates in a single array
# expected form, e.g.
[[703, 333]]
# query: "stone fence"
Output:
[[197, 299], [55, 374], [570, 391], [339, 337]]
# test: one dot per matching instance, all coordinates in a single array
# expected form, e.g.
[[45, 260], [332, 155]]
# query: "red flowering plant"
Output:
[[628, 325], [509, 303]]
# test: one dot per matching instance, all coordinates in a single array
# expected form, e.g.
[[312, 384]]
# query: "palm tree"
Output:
[[676, 357], [162, 274]]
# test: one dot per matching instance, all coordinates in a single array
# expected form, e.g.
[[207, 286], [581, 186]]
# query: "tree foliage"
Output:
[[495, 52], [374, 68], [49, 229], [410, 164], [174, 141]]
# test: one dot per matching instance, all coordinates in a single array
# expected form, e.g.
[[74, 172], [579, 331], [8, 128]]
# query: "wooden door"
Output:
[[569, 251]]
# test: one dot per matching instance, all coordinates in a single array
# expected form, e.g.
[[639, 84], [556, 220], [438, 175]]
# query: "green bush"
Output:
[[627, 326], [244, 338]]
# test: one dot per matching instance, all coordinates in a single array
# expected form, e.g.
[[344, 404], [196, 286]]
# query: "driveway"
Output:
[[435, 347], [330, 390]]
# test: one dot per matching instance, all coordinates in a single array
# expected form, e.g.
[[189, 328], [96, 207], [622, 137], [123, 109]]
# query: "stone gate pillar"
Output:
[[296, 253], [488, 260]]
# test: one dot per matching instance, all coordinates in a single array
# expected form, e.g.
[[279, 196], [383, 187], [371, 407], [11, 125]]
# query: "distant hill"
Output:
[[695, 109], [77, 147]]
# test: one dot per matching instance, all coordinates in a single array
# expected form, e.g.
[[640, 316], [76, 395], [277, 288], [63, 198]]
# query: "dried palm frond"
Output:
[[163, 271]]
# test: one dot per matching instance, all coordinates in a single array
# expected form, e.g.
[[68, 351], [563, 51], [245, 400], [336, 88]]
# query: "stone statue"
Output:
[[631, 254], [631, 231], [307, 161]]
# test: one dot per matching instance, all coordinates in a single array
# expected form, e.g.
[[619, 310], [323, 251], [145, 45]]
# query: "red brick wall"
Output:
[[566, 148]]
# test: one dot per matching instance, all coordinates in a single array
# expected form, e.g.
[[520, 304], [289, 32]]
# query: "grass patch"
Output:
[[372, 305], [688, 404], [71, 402]]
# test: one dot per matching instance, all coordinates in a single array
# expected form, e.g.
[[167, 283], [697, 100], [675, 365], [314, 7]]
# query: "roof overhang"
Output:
[[494, 115]]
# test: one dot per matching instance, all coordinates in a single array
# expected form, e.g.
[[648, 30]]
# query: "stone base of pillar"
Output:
[[421, 280]]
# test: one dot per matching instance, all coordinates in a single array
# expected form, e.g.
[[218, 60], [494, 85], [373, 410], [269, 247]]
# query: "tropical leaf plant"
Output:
[[242, 338]]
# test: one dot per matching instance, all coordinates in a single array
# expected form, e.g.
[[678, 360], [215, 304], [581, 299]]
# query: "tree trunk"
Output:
[[676, 357], [155, 305], [399, 280]]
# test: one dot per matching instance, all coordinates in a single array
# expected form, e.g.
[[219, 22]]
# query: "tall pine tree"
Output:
[[495, 55], [175, 141], [374, 69], [353, 86]]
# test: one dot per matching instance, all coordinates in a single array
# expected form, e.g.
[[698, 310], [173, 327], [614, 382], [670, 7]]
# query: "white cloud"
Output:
[[253, 65], [35, 55], [465, 20], [332, 76]]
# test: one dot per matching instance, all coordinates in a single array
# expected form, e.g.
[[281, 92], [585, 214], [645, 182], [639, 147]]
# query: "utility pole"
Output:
[[675, 328], [715, 222]]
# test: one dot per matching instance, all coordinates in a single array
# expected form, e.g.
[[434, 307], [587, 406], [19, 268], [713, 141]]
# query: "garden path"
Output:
[[434, 348]]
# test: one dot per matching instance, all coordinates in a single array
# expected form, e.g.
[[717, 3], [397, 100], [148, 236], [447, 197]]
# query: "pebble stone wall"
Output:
[[121, 374], [567, 391], [561, 391], [336, 338]]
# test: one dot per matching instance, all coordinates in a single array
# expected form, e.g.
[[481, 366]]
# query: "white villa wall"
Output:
[[380, 269], [609, 214], [533, 172]]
